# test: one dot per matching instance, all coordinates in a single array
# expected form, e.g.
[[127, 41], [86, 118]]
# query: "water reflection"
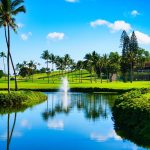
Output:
[[10, 131], [133, 125], [94, 106], [64, 119]]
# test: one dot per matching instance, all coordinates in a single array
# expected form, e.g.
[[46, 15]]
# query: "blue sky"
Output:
[[77, 27]]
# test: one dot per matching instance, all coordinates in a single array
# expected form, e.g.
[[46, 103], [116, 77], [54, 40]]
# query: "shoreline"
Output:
[[84, 90]]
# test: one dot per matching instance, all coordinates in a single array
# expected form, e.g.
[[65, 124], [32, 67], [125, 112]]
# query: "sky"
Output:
[[77, 27]]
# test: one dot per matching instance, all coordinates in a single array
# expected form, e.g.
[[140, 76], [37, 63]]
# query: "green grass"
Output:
[[40, 82]]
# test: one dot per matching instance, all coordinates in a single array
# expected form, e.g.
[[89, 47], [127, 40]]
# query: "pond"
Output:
[[75, 121]]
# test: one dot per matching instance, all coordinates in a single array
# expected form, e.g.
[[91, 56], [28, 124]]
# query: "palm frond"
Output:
[[16, 3], [18, 10]]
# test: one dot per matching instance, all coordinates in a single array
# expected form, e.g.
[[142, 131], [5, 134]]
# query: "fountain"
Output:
[[65, 86], [65, 96]]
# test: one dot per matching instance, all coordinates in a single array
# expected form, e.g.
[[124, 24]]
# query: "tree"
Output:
[[91, 62], [125, 45], [32, 65], [25, 72], [67, 62], [106, 66], [133, 54], [45, 55], [100, 64], [8, 10], [52, 61], [60, 64], [114, 64], [80, 65], [3, 56]]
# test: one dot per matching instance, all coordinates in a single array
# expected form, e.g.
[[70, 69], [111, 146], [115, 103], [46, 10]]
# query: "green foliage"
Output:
[[25, 72], [19, 100], [131, 114]]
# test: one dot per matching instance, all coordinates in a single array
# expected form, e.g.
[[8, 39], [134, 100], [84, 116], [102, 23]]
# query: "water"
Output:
[[75, 121]]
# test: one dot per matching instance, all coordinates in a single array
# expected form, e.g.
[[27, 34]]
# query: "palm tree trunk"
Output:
[[16, 86], [32, 75], [47, 72], [100, 72], [95, 75], [7, 38], [91, 76], [72, 74], [13, 128], [8, 121], [4, 68], [131, 73], [81, 75]]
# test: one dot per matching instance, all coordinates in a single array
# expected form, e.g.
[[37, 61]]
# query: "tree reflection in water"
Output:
[[94, 106], [10, 132]]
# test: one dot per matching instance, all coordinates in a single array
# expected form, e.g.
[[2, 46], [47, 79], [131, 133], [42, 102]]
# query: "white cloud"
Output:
[[102, 138], [56, 36], [99, 22], [25, 124], [135, 13], [56, 124], [72, 1], [25, 36], [116, 26], [20, 25], [142, 38]]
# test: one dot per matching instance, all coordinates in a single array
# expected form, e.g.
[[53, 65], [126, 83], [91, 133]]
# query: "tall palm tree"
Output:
[[100, 64], [67, 62], [60, 64], [106, 64], [80, 68], [45, 55], [32, 65], [52, 61], [3, 56], [89, 64], [8, 10], [95, 58]]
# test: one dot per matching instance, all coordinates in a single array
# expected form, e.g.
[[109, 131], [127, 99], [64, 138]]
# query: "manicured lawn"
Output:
[[40, 81]]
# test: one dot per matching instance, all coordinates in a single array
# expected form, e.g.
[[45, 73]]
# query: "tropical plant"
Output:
[[45, 56], [3, 56], [8, 10]]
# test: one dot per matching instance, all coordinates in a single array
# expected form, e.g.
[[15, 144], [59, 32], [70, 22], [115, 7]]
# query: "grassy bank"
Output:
[[131, 114], [19, 101], [42, 85]]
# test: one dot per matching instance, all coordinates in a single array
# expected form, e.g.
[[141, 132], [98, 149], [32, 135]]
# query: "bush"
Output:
[[21, 99], [131, 115]]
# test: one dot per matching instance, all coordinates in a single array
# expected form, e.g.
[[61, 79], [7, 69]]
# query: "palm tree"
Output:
[[106, 64], [95, 58], [3, 56], [100, 64], [67, 62], [89, 64], [80, 67], [45, 55], [60, 64], [32, 65], [8, 10], [52, 60]]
